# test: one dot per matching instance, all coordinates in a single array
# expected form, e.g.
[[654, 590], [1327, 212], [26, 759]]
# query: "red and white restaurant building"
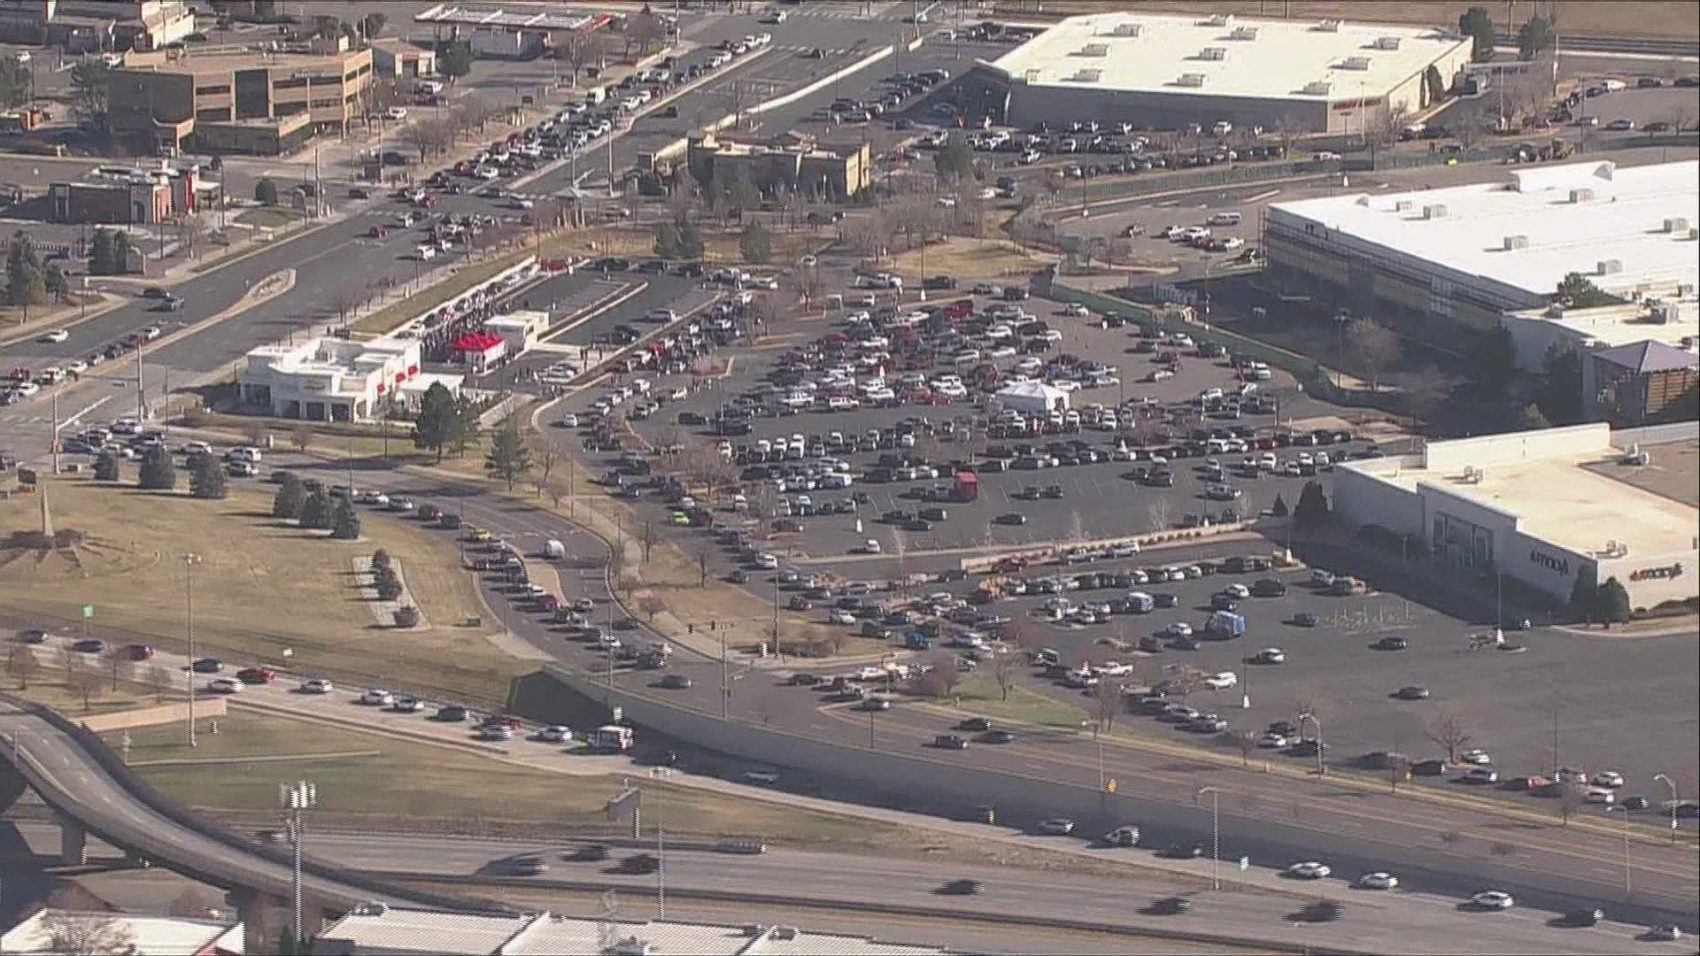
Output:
[[336, 380]]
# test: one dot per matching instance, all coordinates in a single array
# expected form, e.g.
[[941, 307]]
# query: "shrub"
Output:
[[380, 559], [407, 616], [106, 467], [159, 472]]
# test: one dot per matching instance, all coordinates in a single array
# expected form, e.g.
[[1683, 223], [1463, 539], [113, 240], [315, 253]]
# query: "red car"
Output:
[[256, 675], [496, 720], [139, 652], [378, 232]]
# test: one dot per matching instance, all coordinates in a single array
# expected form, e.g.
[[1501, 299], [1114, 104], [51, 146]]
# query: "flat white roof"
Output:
[[1624, 324], [1553, 491], [1276, 59], [1624, 222], [162, 935]]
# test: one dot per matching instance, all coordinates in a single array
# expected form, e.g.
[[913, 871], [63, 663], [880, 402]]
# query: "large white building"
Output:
[[336, 380], [1165, 71], [1539, 507], [1437, 262]]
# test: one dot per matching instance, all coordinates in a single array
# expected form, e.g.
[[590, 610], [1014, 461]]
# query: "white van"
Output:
[[425, 252], [593, 96], [1613, 86], [428, 87], [554, 550], [1225, 219]]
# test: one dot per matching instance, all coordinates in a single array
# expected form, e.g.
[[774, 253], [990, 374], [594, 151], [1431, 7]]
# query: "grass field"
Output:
[[267, 217], [969, 259], [981, 696], [1628, 18], [261, 586], [457, 788]]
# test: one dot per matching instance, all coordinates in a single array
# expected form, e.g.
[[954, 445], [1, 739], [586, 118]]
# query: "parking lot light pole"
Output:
[[1674, 797], [1623, 812], [1307, 715], [1215, 833]]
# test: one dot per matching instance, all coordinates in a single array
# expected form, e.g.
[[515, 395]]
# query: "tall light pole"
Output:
[[1674, 797], [189, 561], [1215, 833], [296, 798], [1623, 812], [1320, 768]]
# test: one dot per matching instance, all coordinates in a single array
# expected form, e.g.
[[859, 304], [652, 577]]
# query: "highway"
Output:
[[1445, 845], [73, 781]]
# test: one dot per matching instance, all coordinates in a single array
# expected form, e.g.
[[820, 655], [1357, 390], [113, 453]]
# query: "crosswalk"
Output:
[[800, 49], [844, 10]]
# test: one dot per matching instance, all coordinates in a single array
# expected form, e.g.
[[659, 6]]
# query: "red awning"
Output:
[[478, 342]]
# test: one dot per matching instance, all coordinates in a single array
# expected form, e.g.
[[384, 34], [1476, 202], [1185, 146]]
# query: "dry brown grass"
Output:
[[969, 259], [639, 242], [1629, 18], [262, 586]]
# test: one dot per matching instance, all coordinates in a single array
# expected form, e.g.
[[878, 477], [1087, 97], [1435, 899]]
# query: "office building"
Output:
[[1169, 71], [92, 25], [835, 172], [230, 100]]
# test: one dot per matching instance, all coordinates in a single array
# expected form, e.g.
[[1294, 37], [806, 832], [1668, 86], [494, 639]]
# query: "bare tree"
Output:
[[647, 536], [86, 933], [22, 663], [651, 605], [192, 232], [302, 437], [85, 682], [1397, 768], [1107, 698], [1312, 699], [1376, 347], [161, 680], [941, 676], [544, 458], [1245, 741], [1184, 682], [1004, 671], [1161, 513], [702, 568], [572, 51], [1448, 731]]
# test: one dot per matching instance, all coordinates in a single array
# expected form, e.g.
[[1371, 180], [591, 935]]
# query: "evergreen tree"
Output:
[[159, 472], [316, 512], [1585, 594], [756, 244], [1560, 395], [26, 281], [956, 159], [1534, 37], [454, 58], [58, 285], [436, 421], [667, 241], [1312, 509], [1495, 363], [1530, 418], [265, 192], [463, 426], [346, 526], [101, 262], [207, 479], [106, 467], [1612, 605], [1477, 24], [291, 495], [690, 241], [509, 458], [1279, 508], [122, 249]]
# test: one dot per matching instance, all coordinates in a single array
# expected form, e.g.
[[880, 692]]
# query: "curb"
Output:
[[112, 301]]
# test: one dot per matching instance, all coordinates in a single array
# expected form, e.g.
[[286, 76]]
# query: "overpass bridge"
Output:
[[91, 792]]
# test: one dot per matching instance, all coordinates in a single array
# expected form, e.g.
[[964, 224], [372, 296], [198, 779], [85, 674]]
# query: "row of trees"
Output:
[[313, 508], [109, 252], [158, 472], [1534, 37], [28, 281]]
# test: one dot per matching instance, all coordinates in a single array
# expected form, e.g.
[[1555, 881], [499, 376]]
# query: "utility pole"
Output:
[[1674, 797], [54, 445], [141, 396], [297, 798], [1215, 833], [725, 681], [189, 562]]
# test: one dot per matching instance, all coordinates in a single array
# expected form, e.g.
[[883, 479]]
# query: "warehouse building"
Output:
[[1539, 507], [1168, 71], [1439, 263]]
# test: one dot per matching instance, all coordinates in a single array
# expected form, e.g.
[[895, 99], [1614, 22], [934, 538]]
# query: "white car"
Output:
[[1221, 681], [224, 685], [316, 685], [1309, 870], [1600, 795], [1378, 881], [768, 777], [396, 113], [1608, 778], [377, 698], [1273, 741], [1271, 655], [1237, 591], [1475, 756], [555, 734], [1178, 629], [1075, 309], [1493, 900], [57, 335]]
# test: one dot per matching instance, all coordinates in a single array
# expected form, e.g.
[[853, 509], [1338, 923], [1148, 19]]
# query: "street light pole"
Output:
[[1624, 813], [1215, 833], [189, 562], [1674, 797], [296, 798], [1320, 768]]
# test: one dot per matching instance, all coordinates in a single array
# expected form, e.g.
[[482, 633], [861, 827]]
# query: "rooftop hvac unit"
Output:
[[1693, 232], [1665, 313], [1190, 79], [1030, 76], [632, 946], [1581, 195], [1220, 20], [1676, 224], [1095, 49], [1402, 205], [1609, 267], [785, 932], [1328, 26], [1513, 243], [1127, 29], [1317, 88], [1434, 211], [1213, 53], [1386, 43], [1243, 33], [1087, 76], [1355, 63]]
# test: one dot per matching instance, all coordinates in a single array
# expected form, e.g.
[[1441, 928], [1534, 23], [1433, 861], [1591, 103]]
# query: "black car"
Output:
[[1412, 692], [1392, 642], [34, 635], [1633, 803], [1171, 905], [1011, 518], [1166, 600], [640, 863], [1591, 916], [92, 645], [1321, 911], [975, 724], [1268, 587], [1182, 851], [999, 737], [960, 888], [452, 714], [207, 665], [1307, 619]]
